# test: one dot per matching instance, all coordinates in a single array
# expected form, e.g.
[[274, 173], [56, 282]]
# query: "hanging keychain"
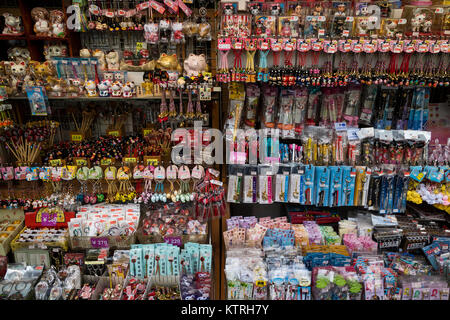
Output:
[[82, 177], [263, 49], [110, 177], [184, 177], [224, 46], [171, 176], [172, 111], [159, 176], [198, 108], [190, 106], [148, 178], [125, 192], [250, 47], [163, 113]]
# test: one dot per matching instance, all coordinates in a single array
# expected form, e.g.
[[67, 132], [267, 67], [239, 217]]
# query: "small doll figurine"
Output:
[[12, 24], [18, 54], [361, 27], [91, 88], [427, 26], [103, 88], [55, 50], [415, 24], [112, 60], [318, 10], [127, 89], [362, 9], [313, 27], [41, 25], [340, 10], [255, 8], [268, 27], [78, 83], [339, 19], [116, 89], [286, 28], [85, 53], [390, 28], [100, 55], [298, 10], [228, 9], [301, 22], [57, 23], [260, 28], [275, 9]]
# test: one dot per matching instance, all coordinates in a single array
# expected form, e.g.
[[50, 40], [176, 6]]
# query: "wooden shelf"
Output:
[[74, 99], [13, 37], [38, 38]]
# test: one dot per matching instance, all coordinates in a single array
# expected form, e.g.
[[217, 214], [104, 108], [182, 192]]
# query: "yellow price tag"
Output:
[[146, 132], [76, 137], [130, 160], [81, 162], [56, 162], [151, 162], [105, 162], [114, 133]]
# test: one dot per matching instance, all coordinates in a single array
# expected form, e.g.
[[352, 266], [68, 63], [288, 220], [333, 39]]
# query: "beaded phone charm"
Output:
[[184, 177], [96, 174], [138, 174], [146, 195], [82, 177], [110, 177], [159, 175], [190, 107], [172, 109], [171, 176], [163, 113], [68, 174], [126, 190]]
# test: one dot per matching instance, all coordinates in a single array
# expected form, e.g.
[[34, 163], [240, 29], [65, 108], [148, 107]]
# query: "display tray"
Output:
[[10, 215], [155, 281], [113, 242], [198, 238], [15, 245]]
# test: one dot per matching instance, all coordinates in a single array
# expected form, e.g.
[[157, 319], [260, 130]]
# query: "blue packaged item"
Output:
[[322, 186], [417, 173], [308, 181], [348, 185], [335, 186]]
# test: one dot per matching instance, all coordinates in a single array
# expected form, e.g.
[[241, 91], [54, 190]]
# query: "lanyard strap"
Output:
[[288, 57], [172, 110], [302, 59], [198, 107], [393, 64], [315, 58], [276, 56], [224, 60], [263, 58], [190, 107], [237, 58], [250, 60], [181, 102]]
